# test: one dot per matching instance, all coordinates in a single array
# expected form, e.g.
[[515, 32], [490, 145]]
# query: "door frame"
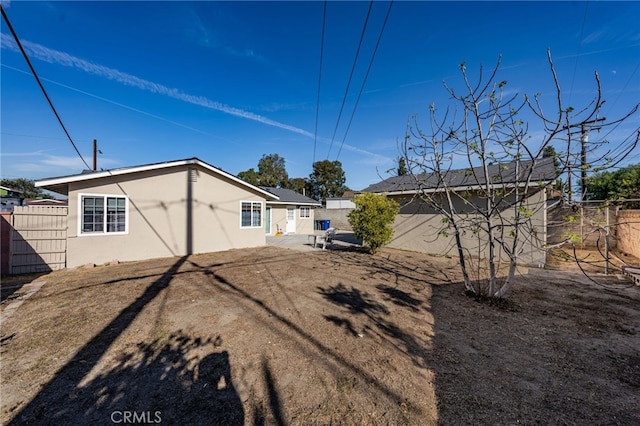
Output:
[[290, 228], [267, 220]]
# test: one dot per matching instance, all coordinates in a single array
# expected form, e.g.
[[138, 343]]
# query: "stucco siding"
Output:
[[305, 224], [163, 218], [279, 219], [418, 228]]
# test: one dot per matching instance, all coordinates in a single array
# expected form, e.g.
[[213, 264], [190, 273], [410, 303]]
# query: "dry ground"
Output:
[[276, 336]]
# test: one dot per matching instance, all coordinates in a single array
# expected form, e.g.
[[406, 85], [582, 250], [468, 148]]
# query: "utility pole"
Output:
[[96, 151], [95, 155], [584, 139]]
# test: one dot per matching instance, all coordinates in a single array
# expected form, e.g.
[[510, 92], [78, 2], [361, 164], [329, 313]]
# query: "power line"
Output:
[[35, 75], [575, 67], [624, 88], [315, 133], [366, 76], [355, 60]]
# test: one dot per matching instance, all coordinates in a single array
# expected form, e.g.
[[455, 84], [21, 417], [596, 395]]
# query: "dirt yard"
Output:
[[272, 336]]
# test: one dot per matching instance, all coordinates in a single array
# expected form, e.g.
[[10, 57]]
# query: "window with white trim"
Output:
[[305, 212], [103, 214], [251, 214]]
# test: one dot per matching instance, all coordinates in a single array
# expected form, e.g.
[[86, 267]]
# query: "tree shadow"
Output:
[[399, 297], [356, 301], [342, 322], [45, 406], [163, 381], [359, 303], [312, 347], [167, 380]]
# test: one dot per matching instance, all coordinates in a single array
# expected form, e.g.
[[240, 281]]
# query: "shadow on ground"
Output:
[[178, 379], [12, 284]]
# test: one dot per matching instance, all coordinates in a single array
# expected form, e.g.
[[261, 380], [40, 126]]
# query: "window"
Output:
[[305, 212], [102, 214], [251, 214]]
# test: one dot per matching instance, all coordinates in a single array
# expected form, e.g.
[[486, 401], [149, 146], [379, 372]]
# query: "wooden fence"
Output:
[[5, 242], [38, 239]]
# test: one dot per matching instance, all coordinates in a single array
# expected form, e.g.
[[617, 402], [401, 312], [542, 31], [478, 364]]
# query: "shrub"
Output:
[[372, 219]]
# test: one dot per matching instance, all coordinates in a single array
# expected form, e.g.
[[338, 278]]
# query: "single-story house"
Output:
[[418, 226], [165, 209], [291, 213]]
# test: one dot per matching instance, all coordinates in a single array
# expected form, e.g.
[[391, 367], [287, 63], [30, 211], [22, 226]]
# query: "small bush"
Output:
[[372, 219]]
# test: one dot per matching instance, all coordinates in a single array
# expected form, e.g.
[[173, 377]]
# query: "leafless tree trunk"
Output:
[[485, 133]]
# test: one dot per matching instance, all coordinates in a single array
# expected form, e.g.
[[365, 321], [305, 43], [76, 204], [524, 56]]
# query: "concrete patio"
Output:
[[304, 242]]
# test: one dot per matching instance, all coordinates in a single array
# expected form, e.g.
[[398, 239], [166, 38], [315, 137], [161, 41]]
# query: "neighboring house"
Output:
[[291, 213], [158, 210], [417, 226], [10, 198]]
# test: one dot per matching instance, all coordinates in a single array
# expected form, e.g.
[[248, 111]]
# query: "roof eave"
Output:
[[295, 202], [62, 183], [460, 188]]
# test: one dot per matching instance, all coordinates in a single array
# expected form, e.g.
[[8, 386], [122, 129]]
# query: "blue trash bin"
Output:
[[325, 224]]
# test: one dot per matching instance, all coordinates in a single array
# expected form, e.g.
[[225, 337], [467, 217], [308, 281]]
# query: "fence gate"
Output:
[[38, 240]]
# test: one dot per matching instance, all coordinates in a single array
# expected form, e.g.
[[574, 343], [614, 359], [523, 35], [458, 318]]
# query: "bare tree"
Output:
[[480, 170]]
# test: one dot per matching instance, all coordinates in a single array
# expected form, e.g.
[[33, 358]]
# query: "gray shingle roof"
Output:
[[289, 196], [498, 173]]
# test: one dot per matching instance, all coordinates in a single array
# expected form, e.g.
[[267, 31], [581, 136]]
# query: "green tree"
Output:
[[327, 180], [250, 176], [26, 186], [402, 167], [300, 185], [550, 152], [372, 219], [623, 184], [272, 171]]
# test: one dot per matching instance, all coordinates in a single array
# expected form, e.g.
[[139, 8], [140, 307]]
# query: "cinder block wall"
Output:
[[628, 231], [338, 217]]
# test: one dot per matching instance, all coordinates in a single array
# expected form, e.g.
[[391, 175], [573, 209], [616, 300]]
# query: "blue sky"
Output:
[[230, 81]]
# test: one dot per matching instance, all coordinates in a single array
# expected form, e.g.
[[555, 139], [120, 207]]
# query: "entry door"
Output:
[[291, 220]]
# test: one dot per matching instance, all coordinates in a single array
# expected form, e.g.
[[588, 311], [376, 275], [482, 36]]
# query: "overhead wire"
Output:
[[353, 67], [366, 76], [44, 91], [575, 67], [622, 91], [315, 133], [121, 105]]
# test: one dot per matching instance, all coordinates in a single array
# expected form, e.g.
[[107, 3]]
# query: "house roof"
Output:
[[45, 202], [15, 192], [289, 196], [502, 174], [61, 184]]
